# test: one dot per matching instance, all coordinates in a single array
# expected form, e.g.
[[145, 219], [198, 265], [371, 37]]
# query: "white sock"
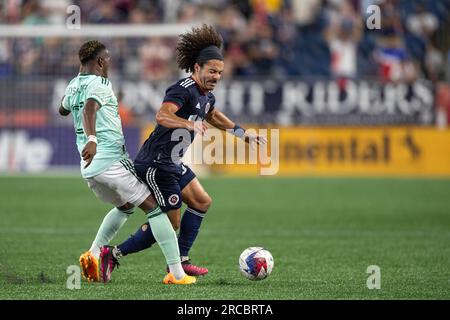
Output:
[[167, 240], [95, 251], [177, 270]]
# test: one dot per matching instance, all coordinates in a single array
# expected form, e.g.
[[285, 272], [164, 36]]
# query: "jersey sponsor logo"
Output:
[[173, 199]]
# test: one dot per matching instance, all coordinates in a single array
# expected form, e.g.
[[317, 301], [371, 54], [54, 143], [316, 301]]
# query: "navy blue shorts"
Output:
[[166, 186]]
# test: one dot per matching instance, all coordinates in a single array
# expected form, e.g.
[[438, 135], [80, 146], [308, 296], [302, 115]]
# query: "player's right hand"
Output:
[[88, 153]]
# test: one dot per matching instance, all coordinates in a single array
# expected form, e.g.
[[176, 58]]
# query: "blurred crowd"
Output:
[[262, 38]]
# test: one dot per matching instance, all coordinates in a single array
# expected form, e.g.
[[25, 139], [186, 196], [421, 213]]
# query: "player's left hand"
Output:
[[88, 153], [252, 137]]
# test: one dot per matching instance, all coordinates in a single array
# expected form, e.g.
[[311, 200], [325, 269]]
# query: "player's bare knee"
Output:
[[174, 216], [208, 202], [148, 204], [204, 203], [151, 201], [176, 225], [126, 207], [175, 221]]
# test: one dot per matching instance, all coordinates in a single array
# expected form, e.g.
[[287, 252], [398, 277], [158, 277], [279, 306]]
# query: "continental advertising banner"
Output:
[[398, 151]]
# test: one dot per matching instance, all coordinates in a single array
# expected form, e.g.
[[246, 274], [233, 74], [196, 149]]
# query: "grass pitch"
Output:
[[323, 234]]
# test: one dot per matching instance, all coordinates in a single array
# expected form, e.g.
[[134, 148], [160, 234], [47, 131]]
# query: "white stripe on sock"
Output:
[[201, 215]]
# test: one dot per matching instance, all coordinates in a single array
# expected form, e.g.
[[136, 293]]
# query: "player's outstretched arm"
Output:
[[89, 116], [221, 121], [166, 117]]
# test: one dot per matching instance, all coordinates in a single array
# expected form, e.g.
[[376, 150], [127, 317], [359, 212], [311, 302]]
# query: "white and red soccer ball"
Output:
[[256, 263]]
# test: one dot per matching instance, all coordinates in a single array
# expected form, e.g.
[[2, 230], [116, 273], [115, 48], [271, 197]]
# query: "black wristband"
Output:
[[238, 131]]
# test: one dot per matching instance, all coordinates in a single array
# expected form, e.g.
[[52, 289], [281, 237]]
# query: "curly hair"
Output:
[[89, 50], [191, 43]]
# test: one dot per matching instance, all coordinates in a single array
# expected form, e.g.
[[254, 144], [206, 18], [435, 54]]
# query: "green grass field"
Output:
[[323, 234]]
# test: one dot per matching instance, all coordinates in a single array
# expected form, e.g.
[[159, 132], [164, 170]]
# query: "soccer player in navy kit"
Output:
[[186, 104]]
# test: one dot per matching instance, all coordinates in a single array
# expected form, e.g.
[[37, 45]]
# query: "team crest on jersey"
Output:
[[208, 106], [173, 199]]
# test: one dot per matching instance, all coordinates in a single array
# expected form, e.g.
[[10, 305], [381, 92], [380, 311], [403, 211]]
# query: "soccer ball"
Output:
[[256, 263]]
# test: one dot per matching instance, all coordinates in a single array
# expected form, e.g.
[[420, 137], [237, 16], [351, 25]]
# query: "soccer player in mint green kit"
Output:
[[106, 166]]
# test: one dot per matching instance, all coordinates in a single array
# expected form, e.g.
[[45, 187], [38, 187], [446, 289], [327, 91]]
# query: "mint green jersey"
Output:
[[110, 139]]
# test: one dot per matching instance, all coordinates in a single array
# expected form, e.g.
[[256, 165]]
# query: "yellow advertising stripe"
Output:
[[347, 151], [403, 151]]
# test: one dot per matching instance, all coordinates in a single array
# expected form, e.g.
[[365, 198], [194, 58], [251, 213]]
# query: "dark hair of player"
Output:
[[192, 43], [90, 50]]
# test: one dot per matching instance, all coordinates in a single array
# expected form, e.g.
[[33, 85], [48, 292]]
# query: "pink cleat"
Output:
[[107, 263], [192, 270]]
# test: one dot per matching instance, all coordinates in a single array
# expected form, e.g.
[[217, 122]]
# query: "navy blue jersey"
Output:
[[165, 147]]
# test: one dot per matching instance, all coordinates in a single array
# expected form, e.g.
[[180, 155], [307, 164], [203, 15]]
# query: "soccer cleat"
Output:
[[107, 263], [192, 270], [89, 267], [170, 279]]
